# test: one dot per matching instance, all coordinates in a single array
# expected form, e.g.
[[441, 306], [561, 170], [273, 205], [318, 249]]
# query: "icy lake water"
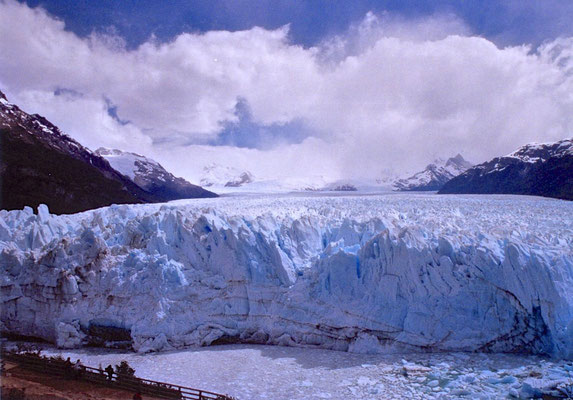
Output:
[[273, 372]]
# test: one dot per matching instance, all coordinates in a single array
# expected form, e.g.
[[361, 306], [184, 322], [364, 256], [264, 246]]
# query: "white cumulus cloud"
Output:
[[390, 94]]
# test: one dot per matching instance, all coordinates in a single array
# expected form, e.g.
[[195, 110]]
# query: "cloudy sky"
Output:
[[291, 88]]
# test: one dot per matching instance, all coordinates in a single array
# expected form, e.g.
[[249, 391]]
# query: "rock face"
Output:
[[41, 165], [353, 273], [434, 176], [149, 175], [534, 169], [242, 179]]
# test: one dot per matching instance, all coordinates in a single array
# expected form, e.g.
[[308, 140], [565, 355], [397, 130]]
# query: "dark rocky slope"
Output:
[[40, 164], [534, 169]]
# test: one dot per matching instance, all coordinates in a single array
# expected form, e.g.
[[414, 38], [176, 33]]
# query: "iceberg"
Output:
[[362, 273]]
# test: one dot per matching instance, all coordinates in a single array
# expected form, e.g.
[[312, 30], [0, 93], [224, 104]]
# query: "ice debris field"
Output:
[[364, 274], [285, 373]]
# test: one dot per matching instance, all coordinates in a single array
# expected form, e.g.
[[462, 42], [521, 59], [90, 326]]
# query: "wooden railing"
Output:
[[156, 389]]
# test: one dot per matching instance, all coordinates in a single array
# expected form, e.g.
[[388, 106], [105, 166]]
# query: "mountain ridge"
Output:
[[539, 169], [40, 164], [151, 176], [434, 176]]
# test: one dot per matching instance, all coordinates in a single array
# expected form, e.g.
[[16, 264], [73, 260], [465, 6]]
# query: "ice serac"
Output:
[[362, 274]]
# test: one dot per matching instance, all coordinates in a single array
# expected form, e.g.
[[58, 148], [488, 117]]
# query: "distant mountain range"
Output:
[[40, 164], [534, 169], [434, 176], [149, 175]]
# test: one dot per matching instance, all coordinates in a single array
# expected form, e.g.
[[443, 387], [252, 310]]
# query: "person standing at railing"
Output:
[[109, 371], [68, 368], [78, 369]]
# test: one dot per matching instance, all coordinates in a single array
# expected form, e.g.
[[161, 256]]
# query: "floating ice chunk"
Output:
[[508, 379], [364, 380], [460, 392], [530, 390]]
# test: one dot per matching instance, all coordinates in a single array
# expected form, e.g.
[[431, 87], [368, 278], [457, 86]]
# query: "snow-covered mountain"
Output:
[[365, 273], [534, 169], [149, 175], [434, 176], [224, 176], [40, 164]]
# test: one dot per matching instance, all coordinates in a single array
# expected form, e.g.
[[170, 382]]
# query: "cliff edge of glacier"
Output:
[[353, 273]]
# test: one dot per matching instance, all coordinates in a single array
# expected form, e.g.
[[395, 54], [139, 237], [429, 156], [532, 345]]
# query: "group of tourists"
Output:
[[76, 370]]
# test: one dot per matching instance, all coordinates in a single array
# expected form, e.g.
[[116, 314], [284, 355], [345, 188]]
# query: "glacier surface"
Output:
[[366, 274]]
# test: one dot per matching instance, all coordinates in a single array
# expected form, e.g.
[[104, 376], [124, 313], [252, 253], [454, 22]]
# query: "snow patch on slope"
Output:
[[128, 164]]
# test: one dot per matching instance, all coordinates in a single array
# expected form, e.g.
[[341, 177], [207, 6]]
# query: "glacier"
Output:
[[360, 273]]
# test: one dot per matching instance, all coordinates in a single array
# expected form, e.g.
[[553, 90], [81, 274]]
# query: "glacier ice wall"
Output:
[[355, 273]]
